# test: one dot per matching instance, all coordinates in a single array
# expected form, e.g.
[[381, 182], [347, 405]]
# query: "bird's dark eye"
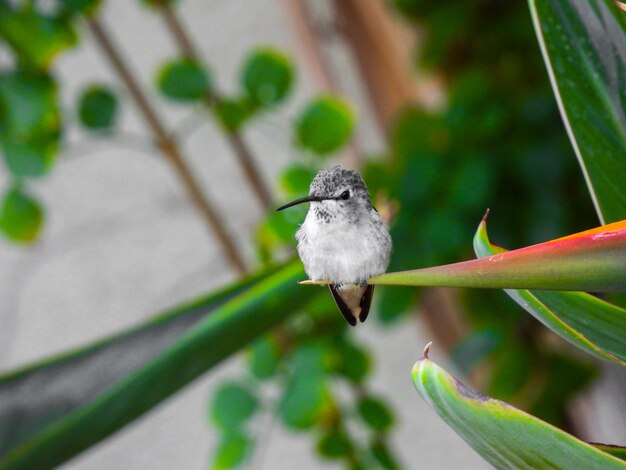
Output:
[[345, 195]]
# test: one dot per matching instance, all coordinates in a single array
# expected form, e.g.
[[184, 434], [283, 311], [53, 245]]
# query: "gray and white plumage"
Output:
[[343, 239]]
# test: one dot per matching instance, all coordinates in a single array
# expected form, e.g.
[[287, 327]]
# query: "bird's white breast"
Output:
[[344, 252]]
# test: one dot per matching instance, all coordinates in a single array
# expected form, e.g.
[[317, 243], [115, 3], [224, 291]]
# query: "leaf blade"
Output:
[[583, 45], [592, 261], [502, 434], [586, 321], [262, 305]]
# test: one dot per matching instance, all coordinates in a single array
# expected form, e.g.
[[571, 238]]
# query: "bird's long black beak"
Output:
[[301, 200]]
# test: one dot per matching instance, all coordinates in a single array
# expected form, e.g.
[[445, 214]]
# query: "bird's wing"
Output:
[[343, 308], [366, 302]]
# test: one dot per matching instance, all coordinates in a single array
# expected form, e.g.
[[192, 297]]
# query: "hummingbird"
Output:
[[343, 239]]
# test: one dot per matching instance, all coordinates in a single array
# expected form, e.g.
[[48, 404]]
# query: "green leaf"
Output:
[[304, 400], [503, 435], [35, 37], [296, 179], [357, 466], [352, 362], [322, 311], [325, 125], [232, 113], [97, 107], [594, 261], [264, 358], [28, 103], [29, 157], [583, 45], [158, 3], [232, 451], [30, 122], [584, 320], [334, 444], [267, 76], [383, 456], [284, 224], [138, 345], [21, 217], [233, 404], [184, 80], [306, 395], [55, 420], [616, 451], [375, 413], [412, 9], [77, 7]]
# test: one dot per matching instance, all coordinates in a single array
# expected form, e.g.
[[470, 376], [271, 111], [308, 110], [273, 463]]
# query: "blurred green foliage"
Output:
[[375, 413], [183, 80], [325, 125], [21, 217], [311, 359], [30, 123], [267, 77], [36, 37], [30, 117], [70, 8], [233, 404], [97, 107], [232, 113], [232, 451]]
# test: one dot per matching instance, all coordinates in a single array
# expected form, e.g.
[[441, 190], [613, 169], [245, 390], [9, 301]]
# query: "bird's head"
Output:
[[336, 193]]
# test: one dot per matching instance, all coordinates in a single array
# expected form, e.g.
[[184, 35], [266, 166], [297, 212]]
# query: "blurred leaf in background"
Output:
[[97, 107], [30, 122], [36, 37], [21, 216], [30, 115], [233, 113], [325, 125], [183, 80], [267, 77]]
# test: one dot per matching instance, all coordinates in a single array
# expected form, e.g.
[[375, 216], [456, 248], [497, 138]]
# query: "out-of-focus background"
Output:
[[135, 200]]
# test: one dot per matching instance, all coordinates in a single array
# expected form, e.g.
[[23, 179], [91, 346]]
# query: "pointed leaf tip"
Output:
[[419, 364], [426, 350], [484, 219], [310, 282]]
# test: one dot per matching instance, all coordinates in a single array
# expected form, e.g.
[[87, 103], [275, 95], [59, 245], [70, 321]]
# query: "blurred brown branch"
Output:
[[235, 139], [166, 143]]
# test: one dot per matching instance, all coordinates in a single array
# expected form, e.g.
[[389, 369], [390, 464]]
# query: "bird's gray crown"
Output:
[[328, 182]]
